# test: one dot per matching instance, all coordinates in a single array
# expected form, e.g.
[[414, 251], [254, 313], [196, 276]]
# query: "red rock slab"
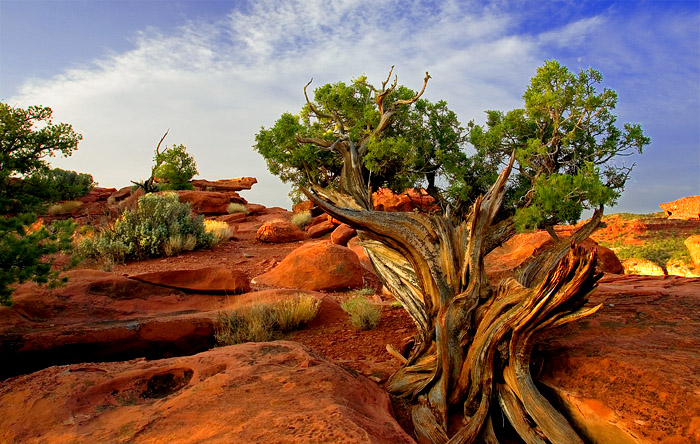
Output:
[[97, 194], [121, 194], [320, 266], [232, 218], [205, 280], [242, 183], [685, 208], [630, 373], [320, 229], [273, 392]]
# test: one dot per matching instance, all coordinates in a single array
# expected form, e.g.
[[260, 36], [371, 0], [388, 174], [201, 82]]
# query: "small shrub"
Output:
[[301, 219], [366, 291], [66, 207], [219, 230], [152, 229], [234, 207], [363, 314], [263, 322]]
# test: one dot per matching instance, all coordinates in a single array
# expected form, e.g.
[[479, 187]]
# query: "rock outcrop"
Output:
[[692, 243], [320, 229], [386, 200], [279, 231], [630, 373], [242, 183], [342, 234], [275, 392], [201, 280], [209, 202], [321, 266], [685, 208]]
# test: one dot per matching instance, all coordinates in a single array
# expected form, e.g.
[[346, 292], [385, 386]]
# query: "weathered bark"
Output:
[[474, 340]]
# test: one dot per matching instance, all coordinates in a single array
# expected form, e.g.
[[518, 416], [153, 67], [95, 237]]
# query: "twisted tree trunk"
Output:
[[472, 350]]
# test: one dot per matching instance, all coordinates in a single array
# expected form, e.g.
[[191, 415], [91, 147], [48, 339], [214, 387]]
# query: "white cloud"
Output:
[[214, 84]]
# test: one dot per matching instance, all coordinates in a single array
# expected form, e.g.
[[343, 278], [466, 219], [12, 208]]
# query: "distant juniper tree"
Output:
[[532, 167], [172, 169]]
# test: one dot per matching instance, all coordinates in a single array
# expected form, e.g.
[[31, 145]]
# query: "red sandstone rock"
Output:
[[317, 220], [132, 201], [279, 231], [386, 200], [274, 392], [630, 373], [342, 234], [692, 243], [359, 250], [306, 205], [255, 208], [242, 183], [121, 194], [321, 266], [206, 280], [232, 218], [685, 208], [318, 230], [206, 202], [97, 194]]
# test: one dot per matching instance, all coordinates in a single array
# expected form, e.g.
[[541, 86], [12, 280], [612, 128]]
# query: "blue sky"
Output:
[[122, 72]]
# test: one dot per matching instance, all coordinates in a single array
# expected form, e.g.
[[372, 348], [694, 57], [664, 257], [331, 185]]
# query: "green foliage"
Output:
[[657, 250], [55, 184], [145, 231], [27, 138], [263, 322], [421, 146], [567, 146], [364, 315], [175, 168], [24, 254]]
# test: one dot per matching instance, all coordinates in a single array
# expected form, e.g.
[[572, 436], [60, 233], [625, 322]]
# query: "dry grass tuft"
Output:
[[301, 219], [220, 230], [363, 314], [66, 207], [234, 207]]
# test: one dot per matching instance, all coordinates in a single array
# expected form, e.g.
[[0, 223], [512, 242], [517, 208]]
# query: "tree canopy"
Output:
[[565, 138], [172, 169]]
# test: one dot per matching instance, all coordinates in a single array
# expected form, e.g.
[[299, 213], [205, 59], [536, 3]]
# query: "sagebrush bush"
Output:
[[363, 314], [301, 219], [148, 231], [262, 322], [218, 229], [234, 207]]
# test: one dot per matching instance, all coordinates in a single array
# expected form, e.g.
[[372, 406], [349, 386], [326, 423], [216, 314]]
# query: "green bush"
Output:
[[25, 253], [57, 184], [147, 230], [363, 314], [659, 251]]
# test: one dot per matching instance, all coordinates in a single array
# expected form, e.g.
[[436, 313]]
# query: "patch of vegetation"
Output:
[[66, 207], [364, 315], [234, 207], [659, 251], [152, 229], [633, 216], [301, 219], [218, 229], [264, 322]]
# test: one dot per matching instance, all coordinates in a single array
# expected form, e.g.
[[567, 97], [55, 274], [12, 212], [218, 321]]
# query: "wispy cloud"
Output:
[[215, 83]]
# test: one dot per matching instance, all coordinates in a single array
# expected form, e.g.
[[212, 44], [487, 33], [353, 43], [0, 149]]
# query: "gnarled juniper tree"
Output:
[[532, 167]]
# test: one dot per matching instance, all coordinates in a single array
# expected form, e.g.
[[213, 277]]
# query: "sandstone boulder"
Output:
[[120, 194], [274, 392], [255, 208], [202, 280], [321, 266], [318, 230], [132, 201], [342, 234], [232, 218], [692, 243], [207, 202], [685, 208], [630, 373], [279, 231], [676, 267], [242, 183], [354, 245], [642, 267]]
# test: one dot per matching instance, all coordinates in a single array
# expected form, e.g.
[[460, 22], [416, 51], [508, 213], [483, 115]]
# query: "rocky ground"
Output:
[[127, 355]]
